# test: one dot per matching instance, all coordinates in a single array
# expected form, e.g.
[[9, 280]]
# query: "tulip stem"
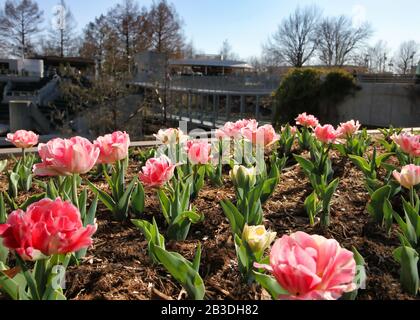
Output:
[[311, 220], [412, 197], [23, 155], [35, 295], [323, 160], [325, 219], [74, 190]]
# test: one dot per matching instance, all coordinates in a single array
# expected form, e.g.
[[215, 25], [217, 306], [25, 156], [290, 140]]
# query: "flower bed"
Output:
[[125, 262]]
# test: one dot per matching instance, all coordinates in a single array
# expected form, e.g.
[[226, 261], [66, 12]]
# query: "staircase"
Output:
[[41, 94]]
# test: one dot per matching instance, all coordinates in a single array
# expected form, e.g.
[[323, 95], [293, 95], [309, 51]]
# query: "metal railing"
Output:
[[14, 73], [263, 84], [387, 78], [227, 83], [22, 94]]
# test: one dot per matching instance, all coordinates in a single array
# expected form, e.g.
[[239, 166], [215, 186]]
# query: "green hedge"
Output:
[[310, 89]]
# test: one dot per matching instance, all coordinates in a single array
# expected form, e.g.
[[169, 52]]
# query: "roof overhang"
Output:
[[210, 63]]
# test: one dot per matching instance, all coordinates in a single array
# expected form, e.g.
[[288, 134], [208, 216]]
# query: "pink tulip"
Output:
[[229, 130], [348, 129], [265, 135], [308, 121], [326, 134], [157, 172], [199, 152], [293, 130], [247, 123], [113, 147], [233, 130], [408, 143], [46, 228], [64, 157], [221, 134], [311, 267], [409, 176], [23, 139]]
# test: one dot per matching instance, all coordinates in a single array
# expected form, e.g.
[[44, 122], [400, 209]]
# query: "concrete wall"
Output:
[[381, 104]]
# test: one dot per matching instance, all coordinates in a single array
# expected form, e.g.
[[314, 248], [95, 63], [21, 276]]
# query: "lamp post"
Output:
[[367, 59], [391, 66], [385, 59], [412, 61]]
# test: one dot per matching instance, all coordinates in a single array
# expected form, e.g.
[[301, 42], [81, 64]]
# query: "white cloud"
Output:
[[359, 13]]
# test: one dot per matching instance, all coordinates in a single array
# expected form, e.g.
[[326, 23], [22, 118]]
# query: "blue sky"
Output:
[[248, 23]]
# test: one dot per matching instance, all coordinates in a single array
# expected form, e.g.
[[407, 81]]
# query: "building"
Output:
[[83, 65], [29, 87], [205, 90], [22, 67], [212, 66], [151, 64]]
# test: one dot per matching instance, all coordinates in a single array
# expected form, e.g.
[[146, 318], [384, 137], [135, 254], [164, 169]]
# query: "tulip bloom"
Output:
[[409, 176], [157, 172], [23, 139], [326, 134], [221, 134], [258, 238], [348, 129], [171, 136], [233, 130], [293, 130], [408, 143], [65, 157], [243, 177], [311, 267], [247, 123], [113, 147], [308, 121], [46, 228], [199, 152], [265, 135]]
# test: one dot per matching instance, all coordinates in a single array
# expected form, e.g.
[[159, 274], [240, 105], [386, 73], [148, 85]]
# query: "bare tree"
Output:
[[338, 39], [257, 64], [406, 56], [3, 51], [100, 42], [62, 40], [95, 37], [166, 28], [295, 41], [19, 23], [226, 51], [143, 40], [378, 56], [189, 51], [124, 18]]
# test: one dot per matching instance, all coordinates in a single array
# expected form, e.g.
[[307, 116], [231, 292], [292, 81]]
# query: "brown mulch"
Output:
[[117, 267]]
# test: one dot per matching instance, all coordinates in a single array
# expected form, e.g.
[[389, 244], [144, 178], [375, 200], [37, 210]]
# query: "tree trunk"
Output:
[[62, 43]]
